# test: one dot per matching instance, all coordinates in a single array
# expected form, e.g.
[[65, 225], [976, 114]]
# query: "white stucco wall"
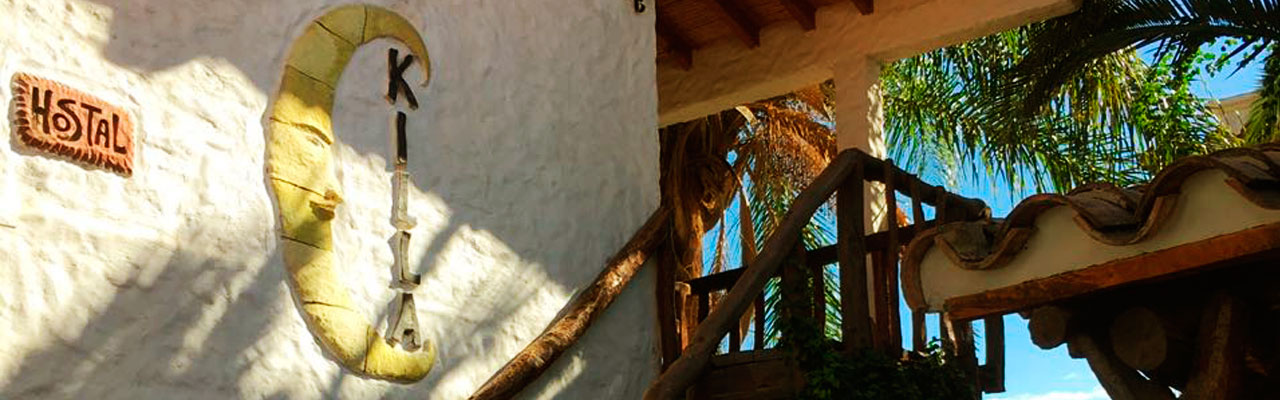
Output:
[[534, 158]]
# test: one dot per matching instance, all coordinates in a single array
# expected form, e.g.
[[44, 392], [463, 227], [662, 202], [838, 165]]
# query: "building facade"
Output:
[[531, 156]]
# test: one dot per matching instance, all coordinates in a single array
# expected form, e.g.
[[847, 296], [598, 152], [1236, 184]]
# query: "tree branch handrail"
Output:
[[745, 284], [672, 383]]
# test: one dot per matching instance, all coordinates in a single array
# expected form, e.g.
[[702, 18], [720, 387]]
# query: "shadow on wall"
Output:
[[115, 355]]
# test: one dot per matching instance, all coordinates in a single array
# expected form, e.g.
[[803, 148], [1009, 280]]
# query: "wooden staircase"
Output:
[[869, 309]]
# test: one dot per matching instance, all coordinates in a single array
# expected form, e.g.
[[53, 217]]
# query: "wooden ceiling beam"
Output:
[[865, 7], [737, 20], [802, 11], [677, 46]]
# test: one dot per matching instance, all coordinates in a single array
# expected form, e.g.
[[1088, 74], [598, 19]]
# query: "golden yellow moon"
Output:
[[299, 167]]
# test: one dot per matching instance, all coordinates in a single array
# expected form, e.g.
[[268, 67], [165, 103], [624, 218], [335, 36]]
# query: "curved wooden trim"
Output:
[[1253, 173], [1179, 259]]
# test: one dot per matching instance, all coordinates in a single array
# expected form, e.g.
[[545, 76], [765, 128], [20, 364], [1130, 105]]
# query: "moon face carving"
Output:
[[299, 168]]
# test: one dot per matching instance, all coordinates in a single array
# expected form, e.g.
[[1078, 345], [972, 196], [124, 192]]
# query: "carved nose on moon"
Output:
[[299, 165]]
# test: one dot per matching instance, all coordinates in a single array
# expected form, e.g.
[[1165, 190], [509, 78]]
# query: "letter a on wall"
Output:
[[299, 166]]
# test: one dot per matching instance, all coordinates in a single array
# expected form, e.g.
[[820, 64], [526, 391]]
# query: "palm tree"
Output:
[[1180, 28]]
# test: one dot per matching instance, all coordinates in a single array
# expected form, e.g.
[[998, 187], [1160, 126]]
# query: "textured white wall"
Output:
[[534, 158]]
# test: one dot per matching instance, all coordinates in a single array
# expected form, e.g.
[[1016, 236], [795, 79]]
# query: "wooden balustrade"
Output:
[[783, 256]]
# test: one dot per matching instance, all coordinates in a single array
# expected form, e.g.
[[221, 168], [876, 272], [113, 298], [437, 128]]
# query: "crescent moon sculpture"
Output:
[[299, 167]]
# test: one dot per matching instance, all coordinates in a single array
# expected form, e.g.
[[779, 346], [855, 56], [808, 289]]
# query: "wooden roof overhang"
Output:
[[713, 55], [686, 25], [1199, 214]]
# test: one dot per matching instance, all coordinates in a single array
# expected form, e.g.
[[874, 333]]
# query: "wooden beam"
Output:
[[673, 382], [737, 21], [677, 46], [1120, 381], [802, 12], [1184, 258], [531, 362], [1219, 370], [865, 7], [851, 251]]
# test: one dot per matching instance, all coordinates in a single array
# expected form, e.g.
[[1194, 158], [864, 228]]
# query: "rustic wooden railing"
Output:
[[868, 320]]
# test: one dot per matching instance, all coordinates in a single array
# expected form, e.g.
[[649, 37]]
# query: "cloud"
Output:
[[1096, 394]]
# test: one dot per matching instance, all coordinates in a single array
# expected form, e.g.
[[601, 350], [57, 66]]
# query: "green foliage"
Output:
[[1116, 118], [830, 374]]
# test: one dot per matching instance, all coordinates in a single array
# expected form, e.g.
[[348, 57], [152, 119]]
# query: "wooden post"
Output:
[[668, 328], [992, 372], [794, 302], [891, 252], [1159, 342], [919, 330], [673, 382], [759, 329], [1120, 381], [820, 296], [1219, 368], [852, 254], [1051, 326]]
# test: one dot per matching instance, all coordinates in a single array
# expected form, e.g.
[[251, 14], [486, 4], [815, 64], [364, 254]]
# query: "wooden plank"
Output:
[[854, 310], [919, 331], [668, 331], [535, 358], [880, 294], [819, 293], [793, 285], [1219, 370], [891, 252], [735, 341], [758, 335], [1195, 256], [715, 282], [992, 371], [865, 7], [673, 382], [677, 46], [802, 12], [737, 21], [1120, 381], [762, 378]]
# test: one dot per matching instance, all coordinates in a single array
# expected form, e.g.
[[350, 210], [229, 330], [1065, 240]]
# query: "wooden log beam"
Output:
[[1051, 326], [1120, 381], [992, 372], [673, 382], [865, 7], [737, 21], [1156, 343], [531, 362], [1219, 366], [677, 45], [802, 12]]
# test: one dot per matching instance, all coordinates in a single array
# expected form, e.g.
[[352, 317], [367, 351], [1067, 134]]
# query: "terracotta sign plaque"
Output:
[[52, 117]]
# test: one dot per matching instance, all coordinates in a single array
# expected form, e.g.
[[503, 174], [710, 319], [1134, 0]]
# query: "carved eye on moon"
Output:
[[299, 161]]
